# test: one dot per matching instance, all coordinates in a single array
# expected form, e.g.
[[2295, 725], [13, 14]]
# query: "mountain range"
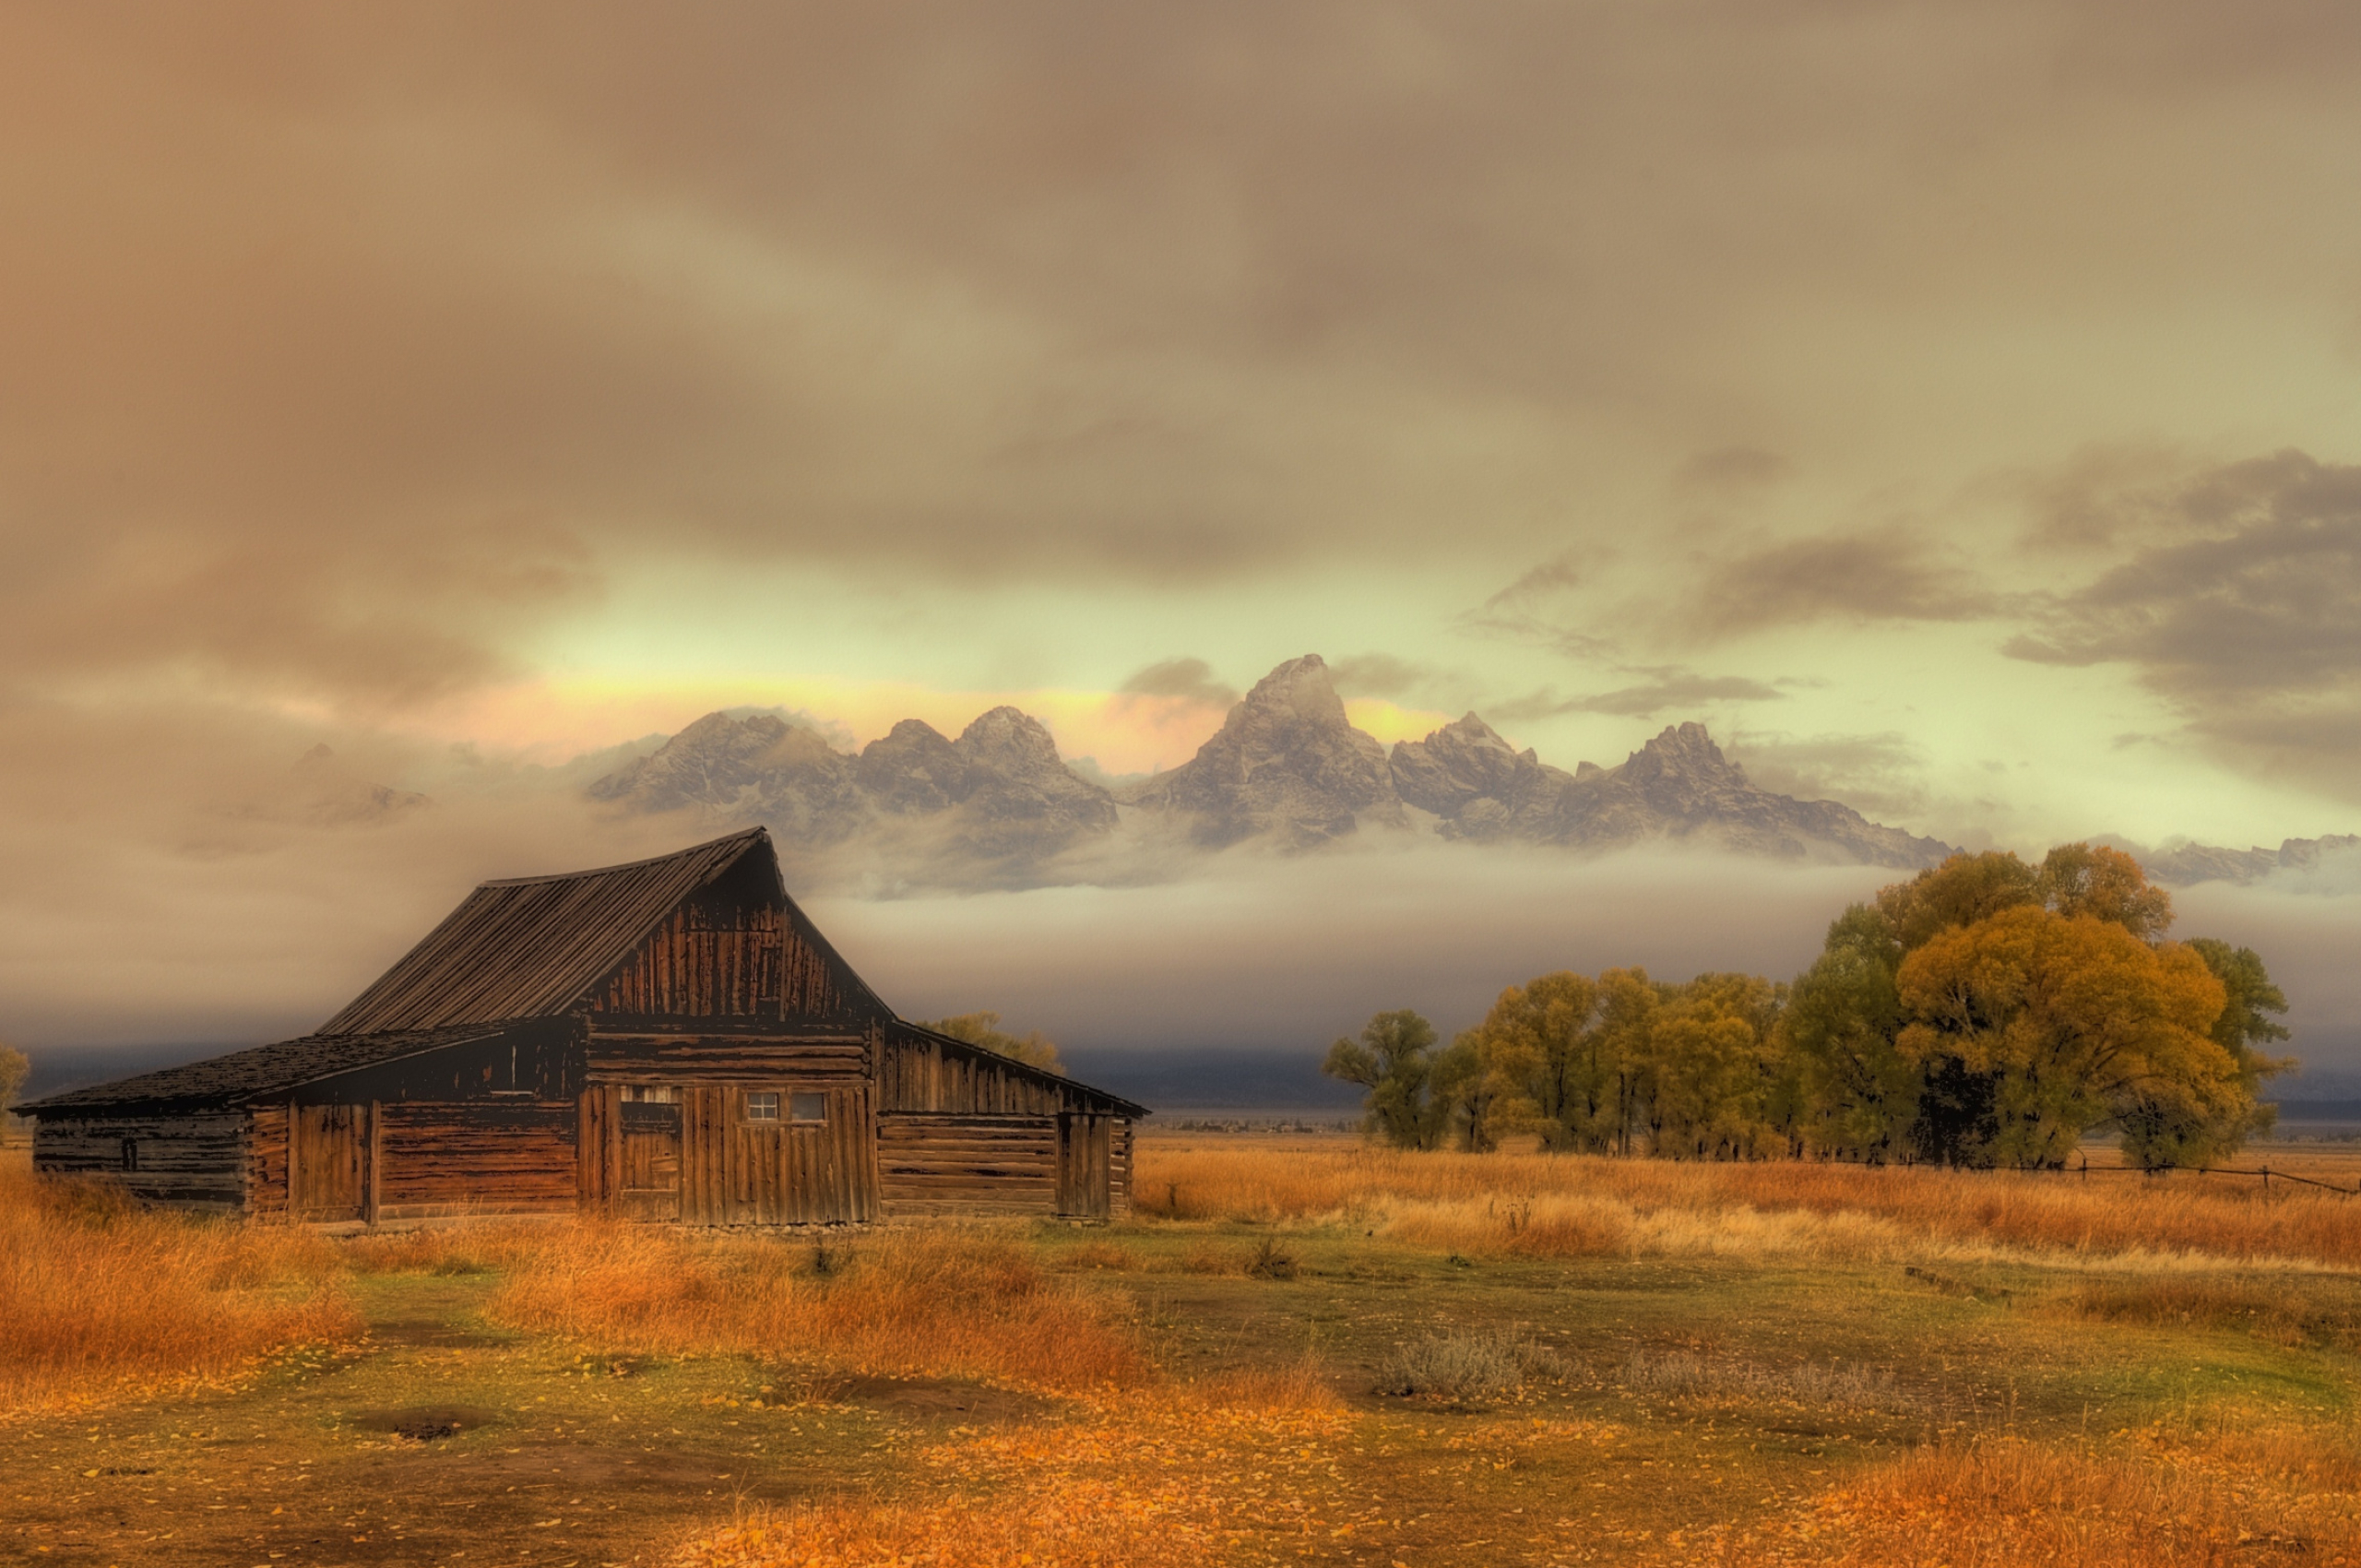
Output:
[[998, 806], [2183, 865]]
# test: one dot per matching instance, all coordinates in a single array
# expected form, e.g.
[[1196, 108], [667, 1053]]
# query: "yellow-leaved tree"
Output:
[[1034, 1050], [2064, 1021]]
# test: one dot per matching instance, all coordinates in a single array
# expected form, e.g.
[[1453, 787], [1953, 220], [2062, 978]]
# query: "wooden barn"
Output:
[[667, 1040]]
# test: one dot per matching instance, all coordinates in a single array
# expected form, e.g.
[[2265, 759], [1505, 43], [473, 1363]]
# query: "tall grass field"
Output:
[[1301, 1348]]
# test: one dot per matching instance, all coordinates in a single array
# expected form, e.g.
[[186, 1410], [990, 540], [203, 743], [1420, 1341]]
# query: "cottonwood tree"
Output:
[[1034, 1050], [1984, 1011], [1394, 1061], [1717, 1069], [2070, 1020], [2164, 1131], [1543, 1070], [1859, 1095]]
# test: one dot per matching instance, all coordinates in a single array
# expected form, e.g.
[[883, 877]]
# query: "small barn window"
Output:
[[131, 1154], [763, 1107], [807, 1107]]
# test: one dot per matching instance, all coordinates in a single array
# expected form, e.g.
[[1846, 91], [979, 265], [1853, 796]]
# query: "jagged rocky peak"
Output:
[[1285, 763], [713, 761], [758, 768], [999, 793], [912, 770], [1461, 762], [1013, 762], [1677, 786], [1684, 752]]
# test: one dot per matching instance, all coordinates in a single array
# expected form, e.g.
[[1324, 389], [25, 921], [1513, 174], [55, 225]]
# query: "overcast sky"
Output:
[[1953, 404]]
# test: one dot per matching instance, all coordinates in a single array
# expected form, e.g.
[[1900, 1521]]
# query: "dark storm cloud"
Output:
[[1893, 574], [1678, 689], [2261, 596], [1191, 678], [301, 306], [2247, 614], [1665, 688]]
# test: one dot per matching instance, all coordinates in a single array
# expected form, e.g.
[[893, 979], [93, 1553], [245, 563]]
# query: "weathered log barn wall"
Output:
[[196, 1160], [671, 1040]]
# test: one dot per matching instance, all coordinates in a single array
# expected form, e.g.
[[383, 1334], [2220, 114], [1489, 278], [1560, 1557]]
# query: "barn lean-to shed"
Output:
[[671, 1040]]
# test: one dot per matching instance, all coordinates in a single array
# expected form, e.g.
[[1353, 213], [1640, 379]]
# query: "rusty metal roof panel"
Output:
[[530, 947]]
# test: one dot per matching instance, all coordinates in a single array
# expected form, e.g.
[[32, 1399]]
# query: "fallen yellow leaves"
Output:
[[1131, 1484]]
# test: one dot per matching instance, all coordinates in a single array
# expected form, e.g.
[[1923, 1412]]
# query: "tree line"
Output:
[[1985, 1013]]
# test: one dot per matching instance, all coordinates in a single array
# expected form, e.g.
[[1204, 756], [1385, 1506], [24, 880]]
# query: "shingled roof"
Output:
[[530, 946], [263, 1069]]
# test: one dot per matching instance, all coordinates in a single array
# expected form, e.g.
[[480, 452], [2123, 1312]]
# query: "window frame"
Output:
[[798, 1103], [766, 1106]]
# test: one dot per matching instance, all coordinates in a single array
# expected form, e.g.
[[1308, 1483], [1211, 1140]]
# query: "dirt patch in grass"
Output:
[[932, 1398], [428, 1423]]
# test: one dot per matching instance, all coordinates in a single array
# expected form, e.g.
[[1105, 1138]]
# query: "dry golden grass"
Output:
[[944, 1301], [1144, 1483], [1563, 1205], [100, 1298], [2006, 1503], [475, 1246]]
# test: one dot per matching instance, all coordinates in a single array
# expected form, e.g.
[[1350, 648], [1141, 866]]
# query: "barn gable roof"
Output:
[[515, 950], [531, 946]]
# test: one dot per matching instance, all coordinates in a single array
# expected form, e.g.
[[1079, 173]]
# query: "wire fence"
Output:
[[2086, 1170]]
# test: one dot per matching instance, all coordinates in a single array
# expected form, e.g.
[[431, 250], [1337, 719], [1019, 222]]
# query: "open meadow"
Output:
[[1300, 1349]]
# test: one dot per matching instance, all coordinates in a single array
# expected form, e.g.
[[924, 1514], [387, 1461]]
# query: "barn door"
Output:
[[1084, 1142], [801, 1155], [327, 1148], [651, 1163]]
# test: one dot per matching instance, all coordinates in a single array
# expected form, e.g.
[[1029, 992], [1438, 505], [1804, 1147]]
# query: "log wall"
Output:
[[435, 1160], [932, 1164], [840, 1057], [195, 1160], [1118, 1173]]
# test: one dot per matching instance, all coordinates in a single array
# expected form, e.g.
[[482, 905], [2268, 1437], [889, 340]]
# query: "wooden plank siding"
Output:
[[687, 1057], [924, 1076], [266, 1172], [474, 1157], [197, 1160], [708, 963], [735, 1171], [1119, 1172], [1085, 1146], [932, 1164]]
